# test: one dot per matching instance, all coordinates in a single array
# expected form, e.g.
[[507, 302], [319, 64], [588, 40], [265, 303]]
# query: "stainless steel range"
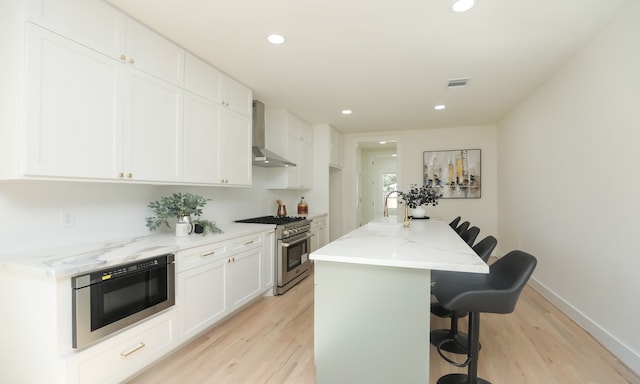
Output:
[[292, 249]]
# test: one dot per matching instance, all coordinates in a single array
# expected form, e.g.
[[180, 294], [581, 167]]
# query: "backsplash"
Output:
[[49, 214]]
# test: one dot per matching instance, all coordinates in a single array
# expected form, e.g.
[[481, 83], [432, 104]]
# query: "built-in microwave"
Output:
[[109, 300]]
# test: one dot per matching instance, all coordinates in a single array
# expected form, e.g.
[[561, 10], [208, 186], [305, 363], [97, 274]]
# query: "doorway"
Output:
[[377, 175]]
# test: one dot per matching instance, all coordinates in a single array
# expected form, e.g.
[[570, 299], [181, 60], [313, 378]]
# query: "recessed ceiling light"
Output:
[[347, 111], [439, 107], [276, 39], [394, 155], [463, 5], [383, 142]]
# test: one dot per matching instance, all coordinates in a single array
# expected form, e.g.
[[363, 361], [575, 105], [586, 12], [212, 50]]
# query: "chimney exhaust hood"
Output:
[[262, 157]]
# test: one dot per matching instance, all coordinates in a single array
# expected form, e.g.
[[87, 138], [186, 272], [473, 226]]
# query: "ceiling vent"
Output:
[[458, 83]]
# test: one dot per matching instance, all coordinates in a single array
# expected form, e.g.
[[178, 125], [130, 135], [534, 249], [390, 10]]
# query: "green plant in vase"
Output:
[[179, 205]]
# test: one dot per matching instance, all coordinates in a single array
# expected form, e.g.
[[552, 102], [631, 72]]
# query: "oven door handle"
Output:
[[287, 245]]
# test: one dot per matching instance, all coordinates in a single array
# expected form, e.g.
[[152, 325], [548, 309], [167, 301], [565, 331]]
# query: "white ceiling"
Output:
[[388, 61]]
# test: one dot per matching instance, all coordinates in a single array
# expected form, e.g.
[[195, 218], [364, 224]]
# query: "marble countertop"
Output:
[[71, 260], [426, 244]]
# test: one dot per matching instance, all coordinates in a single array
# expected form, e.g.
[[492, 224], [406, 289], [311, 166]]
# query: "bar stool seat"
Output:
[[495, 292]]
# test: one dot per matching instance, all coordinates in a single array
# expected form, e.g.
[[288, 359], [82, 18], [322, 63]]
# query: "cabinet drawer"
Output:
[[246, 242], [126, 354], [194, 257]]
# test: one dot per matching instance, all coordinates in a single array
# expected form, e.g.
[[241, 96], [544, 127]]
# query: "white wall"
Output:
[[569, 185], [410, 147]]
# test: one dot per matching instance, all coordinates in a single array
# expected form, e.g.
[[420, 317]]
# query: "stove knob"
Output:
[[285, 233]]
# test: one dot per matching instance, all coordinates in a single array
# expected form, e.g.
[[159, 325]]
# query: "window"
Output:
[[389, 184]]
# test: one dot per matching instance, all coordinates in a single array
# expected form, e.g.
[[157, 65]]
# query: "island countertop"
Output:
[[426, 244]]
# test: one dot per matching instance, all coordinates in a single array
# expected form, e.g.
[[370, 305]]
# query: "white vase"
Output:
[[419, 212], [184, 226]]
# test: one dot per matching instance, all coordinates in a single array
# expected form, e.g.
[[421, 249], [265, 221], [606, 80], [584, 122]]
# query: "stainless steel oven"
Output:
[[292, 249], [292, 256], [109, 300]]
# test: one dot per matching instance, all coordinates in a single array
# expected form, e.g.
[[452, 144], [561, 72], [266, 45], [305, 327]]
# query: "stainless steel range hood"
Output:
[[262, 157]]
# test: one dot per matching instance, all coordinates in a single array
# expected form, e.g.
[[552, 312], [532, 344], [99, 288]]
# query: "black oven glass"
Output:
[[295, 253], [120, 297]]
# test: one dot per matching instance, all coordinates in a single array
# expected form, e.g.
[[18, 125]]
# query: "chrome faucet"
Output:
[[386, 209]]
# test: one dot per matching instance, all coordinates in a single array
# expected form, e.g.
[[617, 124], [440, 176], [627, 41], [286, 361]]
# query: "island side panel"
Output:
[[371, 324]]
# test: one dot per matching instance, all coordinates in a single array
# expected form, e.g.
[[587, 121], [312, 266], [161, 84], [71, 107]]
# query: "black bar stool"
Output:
[[451, 340], [496, 292], [469, 236], [454, 223], [462, 227]]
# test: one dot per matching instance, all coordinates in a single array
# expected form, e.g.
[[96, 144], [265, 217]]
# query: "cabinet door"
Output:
[[293, 155], [153, 54], [153, 127], [306, 169], [267, 261], [235, 96], [201, 298], [74, 110], [245, 276], [201, 78], [337, 151], [235, 149], [93, 23], [201, 140]]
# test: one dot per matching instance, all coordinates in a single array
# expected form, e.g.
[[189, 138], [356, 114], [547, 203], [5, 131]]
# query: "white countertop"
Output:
[[426, 244], [71, 260]]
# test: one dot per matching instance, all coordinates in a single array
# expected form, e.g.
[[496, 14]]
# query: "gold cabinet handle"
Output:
[[129, 175], [124, 355], [131, 61], [248, 242], [207, 254], [123, 57], [120, 174]]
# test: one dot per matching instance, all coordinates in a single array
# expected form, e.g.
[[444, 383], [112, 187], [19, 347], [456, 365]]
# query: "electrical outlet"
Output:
[[67, 219]]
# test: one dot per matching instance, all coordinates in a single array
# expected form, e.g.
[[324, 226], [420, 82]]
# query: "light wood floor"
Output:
[[271, 342]]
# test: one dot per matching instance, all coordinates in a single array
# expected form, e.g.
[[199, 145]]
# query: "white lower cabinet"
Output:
[[319, 232], [202, 298], [121, 356], [212, 281], [244, 276]]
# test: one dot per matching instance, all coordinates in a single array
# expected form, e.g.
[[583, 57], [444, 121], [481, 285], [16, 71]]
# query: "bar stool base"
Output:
[[460, 378], [456, 344]]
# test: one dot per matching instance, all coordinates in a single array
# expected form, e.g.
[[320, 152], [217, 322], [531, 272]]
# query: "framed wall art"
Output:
[[456, 173]]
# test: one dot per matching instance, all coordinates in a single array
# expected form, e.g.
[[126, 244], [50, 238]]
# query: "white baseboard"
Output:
[[615, 346]]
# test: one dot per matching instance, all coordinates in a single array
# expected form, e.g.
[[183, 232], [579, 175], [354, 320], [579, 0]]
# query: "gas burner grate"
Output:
[[272, 220]]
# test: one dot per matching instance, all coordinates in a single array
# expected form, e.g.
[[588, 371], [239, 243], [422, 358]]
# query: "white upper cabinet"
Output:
[[299, 150], [153, 54], [103, 28], [153, 128], [201, 139], [235, 96], [206, 81], [235, 149], [201, 78], [92, 117], [104, 99], [232, 146], [336, 157], [94, 24], [74, 124]]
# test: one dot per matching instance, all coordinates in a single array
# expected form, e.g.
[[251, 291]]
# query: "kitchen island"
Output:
[[372, 300]]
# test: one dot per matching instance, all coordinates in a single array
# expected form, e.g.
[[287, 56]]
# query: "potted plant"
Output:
[[181, 206], [416, 197]]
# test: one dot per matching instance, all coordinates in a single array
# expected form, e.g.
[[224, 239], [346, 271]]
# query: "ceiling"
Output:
[[388, 61]]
